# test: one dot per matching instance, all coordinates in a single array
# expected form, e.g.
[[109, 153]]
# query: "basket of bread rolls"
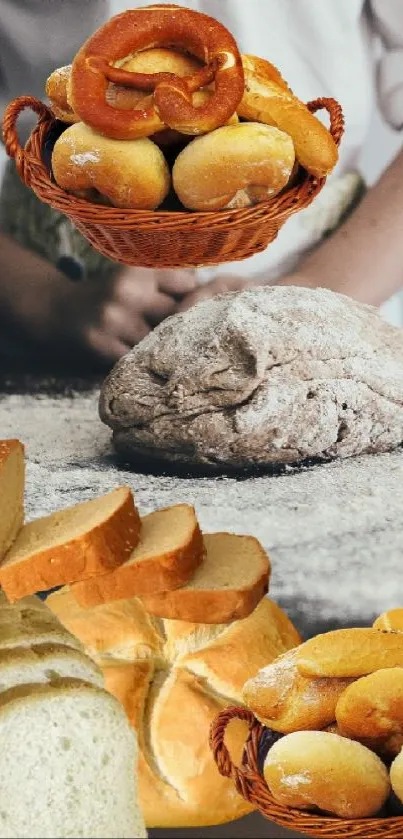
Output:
[[166, 147], [325, 750]]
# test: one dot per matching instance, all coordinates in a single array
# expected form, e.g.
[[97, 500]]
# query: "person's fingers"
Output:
[[105, 346], [159, 307], [176, 283], [119, 322], [217, 286]]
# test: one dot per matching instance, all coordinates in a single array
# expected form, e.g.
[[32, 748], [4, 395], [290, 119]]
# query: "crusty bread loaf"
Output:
[[130, 174], [172, 691], [312, 770], [12, 477], [169, 551], [73, 757], [233, 167], [228, 585], [268, 99], [391, 621], [350, 653], [42, 663], [119, 630], [285, 701], [72, 544], [371, 710]]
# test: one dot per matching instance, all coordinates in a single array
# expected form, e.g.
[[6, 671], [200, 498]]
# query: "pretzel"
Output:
[[97, 63]]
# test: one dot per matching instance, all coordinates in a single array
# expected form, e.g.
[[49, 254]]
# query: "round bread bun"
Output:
[[312, 770], [285, 701], [56, 90], [269, 100], [371, 710], [396, 776], [233, 167], [349, 653], [391, 621], [130, 174]]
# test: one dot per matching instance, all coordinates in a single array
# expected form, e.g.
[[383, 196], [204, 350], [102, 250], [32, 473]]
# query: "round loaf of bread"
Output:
[[233, 167], [371, 710], [350, 653], [396, 776], [285, 701], [391, 621], [130, 174], [312, 770]]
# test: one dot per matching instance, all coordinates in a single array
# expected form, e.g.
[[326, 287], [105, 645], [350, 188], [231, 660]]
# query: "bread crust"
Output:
[[350, 653], [371, 711], [103, 547]]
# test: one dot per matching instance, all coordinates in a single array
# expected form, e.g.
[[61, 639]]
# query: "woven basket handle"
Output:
[[336, 115], [243, 779], [13, 147]]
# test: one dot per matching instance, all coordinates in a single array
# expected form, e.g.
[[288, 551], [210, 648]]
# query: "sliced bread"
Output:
[[43, 664], [168, 553], [12, 478], [228, 585], [31, 622], [72, 544], [73, 765]]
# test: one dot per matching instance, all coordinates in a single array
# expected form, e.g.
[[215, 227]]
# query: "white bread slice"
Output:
[[90, 538], [169, 552], [12, 479], [228, 585], [67, 764], [30, 622], [43, 663]]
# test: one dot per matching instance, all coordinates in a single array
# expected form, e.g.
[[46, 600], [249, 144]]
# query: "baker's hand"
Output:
[[218, 286]]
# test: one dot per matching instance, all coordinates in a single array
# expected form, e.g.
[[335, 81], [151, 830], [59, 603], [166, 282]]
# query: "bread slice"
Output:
[[169, 552], [31, 622], [228, 585], [12, 478], [71, 544], [67, 764], [44, 663]]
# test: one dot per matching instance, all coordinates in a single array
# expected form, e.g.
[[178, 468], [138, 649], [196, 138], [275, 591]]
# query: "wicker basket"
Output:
[[161, 239], [251, 785]]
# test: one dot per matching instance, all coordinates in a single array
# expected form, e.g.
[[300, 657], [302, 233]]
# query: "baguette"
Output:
[[371, 710], [72, 544], [228, 585], [73, 762], [349, 653], [12, 476], [391, 621], [169, 552]]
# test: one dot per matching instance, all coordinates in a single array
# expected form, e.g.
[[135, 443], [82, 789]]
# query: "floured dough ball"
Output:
[[267, 375]]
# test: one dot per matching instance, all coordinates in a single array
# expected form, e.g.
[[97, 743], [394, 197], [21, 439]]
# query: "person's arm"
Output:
[[364, 258]]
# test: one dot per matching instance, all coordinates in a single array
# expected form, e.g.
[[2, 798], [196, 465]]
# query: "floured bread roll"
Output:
[[267, 375]]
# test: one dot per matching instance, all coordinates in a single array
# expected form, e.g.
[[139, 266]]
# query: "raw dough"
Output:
[[268, 375]]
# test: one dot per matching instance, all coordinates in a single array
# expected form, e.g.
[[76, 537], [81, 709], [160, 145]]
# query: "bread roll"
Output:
[[130, 174], [312, 770], [233, 167], [285, 701], [371, 710], [390, 621], [396, 776], [350, 653], [269, 100]]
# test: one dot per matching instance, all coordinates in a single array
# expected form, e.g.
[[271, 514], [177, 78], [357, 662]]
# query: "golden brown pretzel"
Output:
[[97, 63], [268, 99]]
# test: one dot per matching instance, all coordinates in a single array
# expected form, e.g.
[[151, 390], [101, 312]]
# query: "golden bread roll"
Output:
[[233, 167], [312, 770], [349, 653], [131, 174], [371, 710], [268, 99], [285, 701], [391, 621], [56, 90], [396, 776]]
